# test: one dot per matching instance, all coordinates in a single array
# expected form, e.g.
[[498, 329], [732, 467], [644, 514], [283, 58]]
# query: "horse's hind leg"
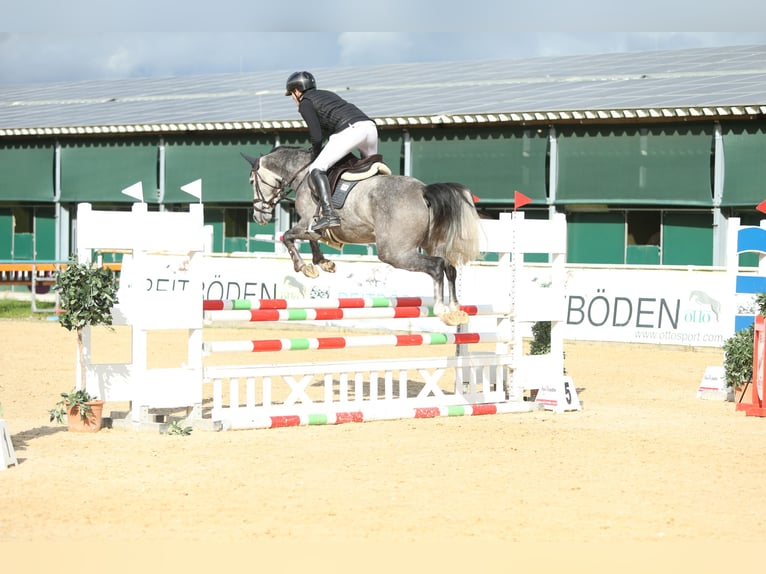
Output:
[[437, 268], [452, 314], [448, 312], [451, 272]]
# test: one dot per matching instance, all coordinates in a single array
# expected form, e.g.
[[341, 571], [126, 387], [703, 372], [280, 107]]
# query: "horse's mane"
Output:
[[290, 147]]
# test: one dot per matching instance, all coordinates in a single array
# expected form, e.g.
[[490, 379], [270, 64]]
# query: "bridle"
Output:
[[268, 178]]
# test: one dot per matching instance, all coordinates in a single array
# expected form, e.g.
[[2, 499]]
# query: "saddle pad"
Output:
[[348, 180], [341, 191], [376, 168]]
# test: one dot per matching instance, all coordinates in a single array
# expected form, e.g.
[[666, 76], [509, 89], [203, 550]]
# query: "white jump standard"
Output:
[[283, 393]]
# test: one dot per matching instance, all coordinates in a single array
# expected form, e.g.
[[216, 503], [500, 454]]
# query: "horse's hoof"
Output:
[[327, 266], [310, 271], [453, 318]]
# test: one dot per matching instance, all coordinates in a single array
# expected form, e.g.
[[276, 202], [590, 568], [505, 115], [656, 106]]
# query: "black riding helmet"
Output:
[[301, 80]]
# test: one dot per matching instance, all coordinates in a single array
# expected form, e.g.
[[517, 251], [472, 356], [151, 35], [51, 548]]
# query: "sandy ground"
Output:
[[645, 464]]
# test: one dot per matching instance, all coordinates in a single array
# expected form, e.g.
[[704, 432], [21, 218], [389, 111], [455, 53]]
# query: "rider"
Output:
[[346, 128]]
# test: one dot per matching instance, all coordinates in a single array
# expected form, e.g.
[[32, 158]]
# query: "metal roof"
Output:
[[639, 86]]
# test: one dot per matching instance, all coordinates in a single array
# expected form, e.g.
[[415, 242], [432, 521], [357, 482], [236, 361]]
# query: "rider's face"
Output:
[[297, 97]]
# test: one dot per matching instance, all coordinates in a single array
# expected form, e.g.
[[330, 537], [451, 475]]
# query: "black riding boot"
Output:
[[321, 187]]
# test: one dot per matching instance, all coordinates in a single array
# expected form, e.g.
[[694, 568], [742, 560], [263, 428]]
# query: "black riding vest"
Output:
[[326, 113]]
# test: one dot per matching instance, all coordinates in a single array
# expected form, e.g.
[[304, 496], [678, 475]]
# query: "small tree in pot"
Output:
[[541, 338], [86, 296], [738, 352], [738, 358]]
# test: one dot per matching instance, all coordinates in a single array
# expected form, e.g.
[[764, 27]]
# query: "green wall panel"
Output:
[[45, 233], [24, 246], [687, 239], [744, 165], [26, 171], [749, 258], [217, 162], [293, 139], [596, 238], [231, 244], [6, 233], [642, 255], [350, 249], [390, 146], [493, 162], [615, 165], [98, 170], [214, 217], [256, 229]]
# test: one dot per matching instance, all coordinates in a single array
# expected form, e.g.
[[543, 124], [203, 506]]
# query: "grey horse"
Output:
[[416, 227]]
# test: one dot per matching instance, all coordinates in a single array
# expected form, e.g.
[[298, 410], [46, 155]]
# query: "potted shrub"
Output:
[[541, 338], [540, 345], [738, 360], [83, 411], [86, 294], [738, 355]]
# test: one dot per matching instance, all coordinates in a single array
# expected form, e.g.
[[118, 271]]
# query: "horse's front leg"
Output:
[[288, 240], [319, 259]]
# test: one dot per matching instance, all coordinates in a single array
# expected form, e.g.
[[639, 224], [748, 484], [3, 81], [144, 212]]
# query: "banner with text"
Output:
[[664, 306]]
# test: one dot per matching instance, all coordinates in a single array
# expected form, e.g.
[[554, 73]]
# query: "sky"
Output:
[[96, 40]]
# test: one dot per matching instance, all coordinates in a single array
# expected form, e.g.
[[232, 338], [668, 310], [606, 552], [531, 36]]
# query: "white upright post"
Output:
[[7, 454], [160, 290]]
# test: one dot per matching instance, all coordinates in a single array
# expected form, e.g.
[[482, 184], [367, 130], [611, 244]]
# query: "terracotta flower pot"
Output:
[[91, 423]]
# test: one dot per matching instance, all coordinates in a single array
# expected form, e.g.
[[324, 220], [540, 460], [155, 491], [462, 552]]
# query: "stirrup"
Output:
[[326, 221]]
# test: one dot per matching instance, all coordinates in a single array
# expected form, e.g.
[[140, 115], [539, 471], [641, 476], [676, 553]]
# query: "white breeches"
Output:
[[360, 135]]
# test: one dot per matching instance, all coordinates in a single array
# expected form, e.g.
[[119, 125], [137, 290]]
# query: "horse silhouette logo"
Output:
[[292, 288], [704, 299]]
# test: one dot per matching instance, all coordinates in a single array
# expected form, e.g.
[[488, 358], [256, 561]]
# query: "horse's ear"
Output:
[[252, 160]]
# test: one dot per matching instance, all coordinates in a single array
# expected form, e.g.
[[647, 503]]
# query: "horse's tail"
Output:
[[454, 222]]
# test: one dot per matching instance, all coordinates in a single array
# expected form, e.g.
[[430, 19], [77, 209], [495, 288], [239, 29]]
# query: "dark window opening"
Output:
[[643, 227], [235, 222], [23, 219]]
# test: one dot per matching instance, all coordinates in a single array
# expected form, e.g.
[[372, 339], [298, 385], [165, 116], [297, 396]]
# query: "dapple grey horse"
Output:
[[417, 227]]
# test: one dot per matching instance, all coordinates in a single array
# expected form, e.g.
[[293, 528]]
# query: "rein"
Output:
[[275, 182]]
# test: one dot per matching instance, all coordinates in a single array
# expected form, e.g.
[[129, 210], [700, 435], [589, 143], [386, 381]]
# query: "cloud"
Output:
[[27, 58], [371, 48], [60, 56], [406, 16]]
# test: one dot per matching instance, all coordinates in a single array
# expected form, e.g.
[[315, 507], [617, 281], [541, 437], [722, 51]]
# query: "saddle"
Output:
[[349, 171]]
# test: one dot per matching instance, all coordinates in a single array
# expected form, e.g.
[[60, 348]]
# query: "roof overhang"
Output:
[[617, 115]]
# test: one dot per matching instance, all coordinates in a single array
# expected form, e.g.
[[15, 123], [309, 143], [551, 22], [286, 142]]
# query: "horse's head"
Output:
[[268, 189]]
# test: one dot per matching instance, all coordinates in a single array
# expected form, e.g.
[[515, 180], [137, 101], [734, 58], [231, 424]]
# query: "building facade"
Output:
[[645, 162]]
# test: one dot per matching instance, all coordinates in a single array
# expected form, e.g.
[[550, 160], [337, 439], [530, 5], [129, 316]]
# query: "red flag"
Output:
[[761, 206], [520, 200]]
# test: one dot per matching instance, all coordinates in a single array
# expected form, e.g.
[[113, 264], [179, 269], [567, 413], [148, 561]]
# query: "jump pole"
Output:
[[319, 343], [260, 314], [368, 414], [332, 303]]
